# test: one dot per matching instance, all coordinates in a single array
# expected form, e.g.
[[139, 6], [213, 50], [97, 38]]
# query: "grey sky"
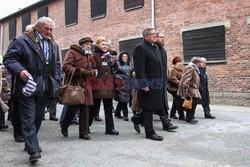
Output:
[[11, 6]]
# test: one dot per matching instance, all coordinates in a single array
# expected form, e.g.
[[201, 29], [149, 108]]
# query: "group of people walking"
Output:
[[33, 61]]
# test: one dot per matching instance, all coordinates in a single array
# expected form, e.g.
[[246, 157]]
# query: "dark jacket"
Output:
[[205, 98], [165, 76], [124, 71], [24, 53], [104, 81], [76, 57], [148, 67]]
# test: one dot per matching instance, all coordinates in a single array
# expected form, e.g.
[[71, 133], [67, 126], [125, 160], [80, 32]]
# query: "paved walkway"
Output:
[[224, 141]]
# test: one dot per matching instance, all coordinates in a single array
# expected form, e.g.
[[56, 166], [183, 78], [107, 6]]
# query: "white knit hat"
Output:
[[30, 87]]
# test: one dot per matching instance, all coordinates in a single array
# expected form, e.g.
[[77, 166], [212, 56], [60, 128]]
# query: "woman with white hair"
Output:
[[204, 89], [189, 87]]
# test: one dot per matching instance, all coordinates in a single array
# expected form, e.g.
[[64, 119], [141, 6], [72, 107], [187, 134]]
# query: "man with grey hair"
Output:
[[33, 60], [149, 69], [205, 98]]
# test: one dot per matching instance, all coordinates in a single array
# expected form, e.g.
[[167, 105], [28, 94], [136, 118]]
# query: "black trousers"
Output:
[[2, 117], [206, 109], [191, 112], [15, 117], [52, 107], [31, 114], [107, 102], [122, 106], [83, 118], [177, 105], [148, 122]]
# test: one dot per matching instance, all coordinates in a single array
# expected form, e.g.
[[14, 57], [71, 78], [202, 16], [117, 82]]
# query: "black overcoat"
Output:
[[148, 67], [205, 98]]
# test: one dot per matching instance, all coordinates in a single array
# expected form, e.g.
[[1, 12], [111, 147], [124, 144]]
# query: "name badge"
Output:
[[104, 63]]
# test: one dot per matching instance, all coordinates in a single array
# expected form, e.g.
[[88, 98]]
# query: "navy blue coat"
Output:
[[205, 98], [24, 53]]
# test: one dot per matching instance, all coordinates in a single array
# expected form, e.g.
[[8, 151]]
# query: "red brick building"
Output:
[[216, 29]]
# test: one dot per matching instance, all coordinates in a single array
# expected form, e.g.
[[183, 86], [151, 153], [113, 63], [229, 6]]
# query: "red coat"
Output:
[[84, 66]]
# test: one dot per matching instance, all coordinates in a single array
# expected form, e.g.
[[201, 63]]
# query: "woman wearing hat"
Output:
[[78, 57], [174, 80]]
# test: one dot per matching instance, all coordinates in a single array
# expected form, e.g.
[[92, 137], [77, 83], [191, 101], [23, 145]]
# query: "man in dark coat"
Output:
[[160, 41], [149, 69], [204, 89], [33, 59]]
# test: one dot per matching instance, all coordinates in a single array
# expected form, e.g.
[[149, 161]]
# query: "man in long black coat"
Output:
[[33, 60], [204, 89], [149, 68]]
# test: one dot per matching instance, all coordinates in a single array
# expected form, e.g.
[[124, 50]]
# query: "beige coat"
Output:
[[174, 78]]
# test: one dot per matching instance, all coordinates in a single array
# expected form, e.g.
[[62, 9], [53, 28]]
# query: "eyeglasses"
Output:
[[152, 34]]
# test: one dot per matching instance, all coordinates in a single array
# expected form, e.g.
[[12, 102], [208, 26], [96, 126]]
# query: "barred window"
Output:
[[206, 42], [98, 8], [12, 29], [133, 4], [63, 53], [43, 12], [129, 45], [25, 21], [71, 12]]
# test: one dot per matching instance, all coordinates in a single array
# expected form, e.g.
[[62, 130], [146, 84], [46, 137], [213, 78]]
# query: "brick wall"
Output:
[[229, 82]]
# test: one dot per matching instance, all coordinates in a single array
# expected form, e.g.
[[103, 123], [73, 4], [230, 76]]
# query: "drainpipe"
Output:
[[1, 40], [153, 13]]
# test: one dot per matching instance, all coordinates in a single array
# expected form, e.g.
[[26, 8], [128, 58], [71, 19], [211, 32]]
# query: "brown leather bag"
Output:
[[188, 103], [71, 94]]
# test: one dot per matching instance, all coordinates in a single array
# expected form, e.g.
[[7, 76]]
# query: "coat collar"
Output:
[[77, 49], [34, 38]]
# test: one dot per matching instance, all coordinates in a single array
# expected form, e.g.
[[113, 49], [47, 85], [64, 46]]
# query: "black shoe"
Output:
[[209, 116], [192, 121], [64, 132], [154, 137], [19, 139], [53, 118], [136, 126], [118, 116], [4, 127], [39, 149], [85, 137], [174, 117], [182, 118], [112, 132], [170, 127], [125, 118], [34, 157]]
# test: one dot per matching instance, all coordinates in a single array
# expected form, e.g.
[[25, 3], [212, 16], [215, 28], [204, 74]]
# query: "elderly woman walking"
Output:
[[103, 86], [79, 57], [189, 87]]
